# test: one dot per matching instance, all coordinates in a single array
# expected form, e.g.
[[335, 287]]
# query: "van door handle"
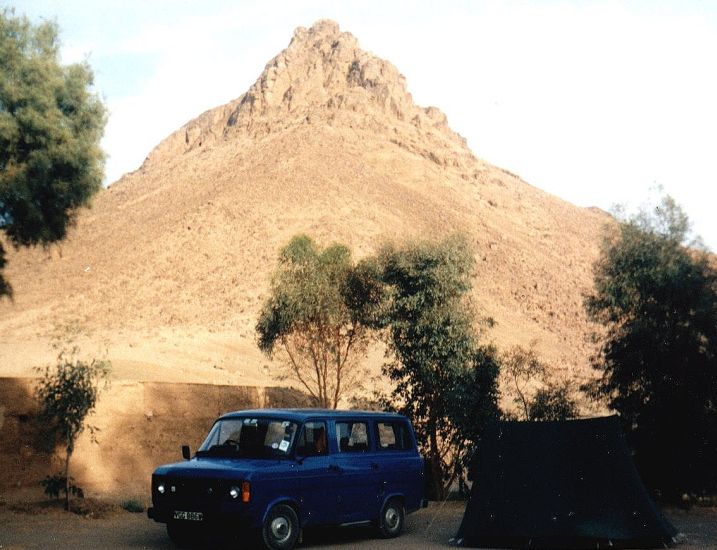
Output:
[[334, 468], [374, 465]]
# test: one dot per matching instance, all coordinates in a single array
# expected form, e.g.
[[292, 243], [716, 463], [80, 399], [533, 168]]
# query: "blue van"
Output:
[[276, 471]]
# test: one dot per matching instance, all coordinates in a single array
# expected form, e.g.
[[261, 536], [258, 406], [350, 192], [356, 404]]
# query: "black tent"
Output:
[[569, 484]]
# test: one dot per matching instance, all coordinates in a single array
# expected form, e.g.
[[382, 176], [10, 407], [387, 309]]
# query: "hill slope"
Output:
[[168, 269]]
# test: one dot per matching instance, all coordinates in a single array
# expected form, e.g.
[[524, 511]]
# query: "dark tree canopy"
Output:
[[316, 318], [553, 402], [445, 382], [50, 127], [657, 300]]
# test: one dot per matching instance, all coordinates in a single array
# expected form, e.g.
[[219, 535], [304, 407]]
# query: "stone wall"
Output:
[[140, 425]]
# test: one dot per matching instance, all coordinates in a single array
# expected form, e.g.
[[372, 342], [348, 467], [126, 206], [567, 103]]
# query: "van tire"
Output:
[[393, 517], [281, 528]]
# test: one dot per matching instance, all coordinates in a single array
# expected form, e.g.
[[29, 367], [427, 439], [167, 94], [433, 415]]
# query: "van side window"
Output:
[[352, 436], [392, 436], [313, 440]]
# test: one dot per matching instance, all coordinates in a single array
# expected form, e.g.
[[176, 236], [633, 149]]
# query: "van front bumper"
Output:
[[215, 516]]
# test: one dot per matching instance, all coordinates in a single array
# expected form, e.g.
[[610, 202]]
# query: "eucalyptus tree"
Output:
[[315, 321], [445, 381]]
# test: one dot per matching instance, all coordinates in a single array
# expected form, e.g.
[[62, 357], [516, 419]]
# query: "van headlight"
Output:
[[161, 489], [242, 492]]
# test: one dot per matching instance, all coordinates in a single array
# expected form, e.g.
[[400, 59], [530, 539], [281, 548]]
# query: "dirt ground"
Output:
[[23, 527]]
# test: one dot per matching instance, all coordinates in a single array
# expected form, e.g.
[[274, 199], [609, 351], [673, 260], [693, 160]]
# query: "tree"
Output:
[[525, 378], [656, 298], [521, 367], [67, 394], [473, 404], [50, 126], [317, 318], [444, 381]]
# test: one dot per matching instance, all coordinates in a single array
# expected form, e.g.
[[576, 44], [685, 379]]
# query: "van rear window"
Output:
[[392, 436], [352, 436]]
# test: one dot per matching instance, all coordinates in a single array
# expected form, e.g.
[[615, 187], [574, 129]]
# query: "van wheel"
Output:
[[392, 519], [281, 528], [184, 536]]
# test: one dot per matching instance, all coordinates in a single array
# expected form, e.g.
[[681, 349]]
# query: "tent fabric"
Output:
[[559, 485]]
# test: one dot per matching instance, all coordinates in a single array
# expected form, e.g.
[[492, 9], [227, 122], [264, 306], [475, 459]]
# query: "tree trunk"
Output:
[[68, 452], [522, 398], [434, 460]]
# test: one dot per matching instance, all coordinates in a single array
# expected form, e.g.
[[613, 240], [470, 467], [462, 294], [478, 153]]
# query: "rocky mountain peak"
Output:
[[324, 77], [324, 67]]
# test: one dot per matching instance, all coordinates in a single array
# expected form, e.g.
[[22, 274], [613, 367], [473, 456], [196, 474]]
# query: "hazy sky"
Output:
[[595, 102]]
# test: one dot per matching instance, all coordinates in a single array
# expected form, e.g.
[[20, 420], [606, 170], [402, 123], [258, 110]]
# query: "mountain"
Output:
[[168, 269]]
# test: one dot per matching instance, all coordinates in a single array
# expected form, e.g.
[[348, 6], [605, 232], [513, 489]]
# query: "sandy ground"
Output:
[[430, 528]]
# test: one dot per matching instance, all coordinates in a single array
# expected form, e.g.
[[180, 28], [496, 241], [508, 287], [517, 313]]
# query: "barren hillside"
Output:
[[168, 269]]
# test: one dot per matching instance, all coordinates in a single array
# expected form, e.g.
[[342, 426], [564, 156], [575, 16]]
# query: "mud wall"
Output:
[[139, 426]]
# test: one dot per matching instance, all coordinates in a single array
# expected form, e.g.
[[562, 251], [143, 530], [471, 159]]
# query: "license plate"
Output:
[[188, 516]]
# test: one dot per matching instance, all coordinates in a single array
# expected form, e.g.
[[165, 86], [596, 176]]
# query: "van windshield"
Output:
[[250, 438]]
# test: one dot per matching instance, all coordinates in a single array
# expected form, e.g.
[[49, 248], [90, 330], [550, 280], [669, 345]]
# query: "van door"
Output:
[[401, 467], [358, 485], [318, 476]]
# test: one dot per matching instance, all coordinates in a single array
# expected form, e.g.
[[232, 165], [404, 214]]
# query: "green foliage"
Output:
[[50, 128], [316, 317], [443, 380], [56, 484], [657, 301], [67, 394], [5, 288]]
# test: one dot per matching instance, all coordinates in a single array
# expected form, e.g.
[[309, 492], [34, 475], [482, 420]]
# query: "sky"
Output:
[[598, 103]]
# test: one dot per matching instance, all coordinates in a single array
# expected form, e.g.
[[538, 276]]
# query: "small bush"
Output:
[[67, 393], [133, 505], [54, 485]]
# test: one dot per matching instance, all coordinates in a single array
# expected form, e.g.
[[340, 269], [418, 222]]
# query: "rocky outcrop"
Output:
[[324, 77]]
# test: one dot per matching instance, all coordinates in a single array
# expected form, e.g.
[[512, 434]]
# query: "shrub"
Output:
[[54, 485], [133, 505]]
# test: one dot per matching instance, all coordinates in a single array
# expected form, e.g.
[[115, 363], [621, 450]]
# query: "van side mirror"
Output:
[[186, 454]]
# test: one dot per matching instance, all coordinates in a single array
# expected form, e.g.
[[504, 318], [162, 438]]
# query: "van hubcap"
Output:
[[280, 529], [391, 518]]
